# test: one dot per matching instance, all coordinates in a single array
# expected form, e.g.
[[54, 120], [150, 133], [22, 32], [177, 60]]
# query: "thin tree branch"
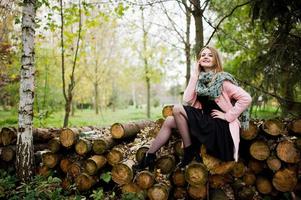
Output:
[[225, 17]]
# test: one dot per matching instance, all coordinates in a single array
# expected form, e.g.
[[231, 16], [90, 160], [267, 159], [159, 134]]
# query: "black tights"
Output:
[[178, 120]]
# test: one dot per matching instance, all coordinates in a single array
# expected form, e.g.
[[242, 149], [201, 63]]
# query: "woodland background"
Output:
[[66, 63], [129, 48]]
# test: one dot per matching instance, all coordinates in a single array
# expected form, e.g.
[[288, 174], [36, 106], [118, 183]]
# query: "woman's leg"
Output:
[[163, 135], [180, 116]]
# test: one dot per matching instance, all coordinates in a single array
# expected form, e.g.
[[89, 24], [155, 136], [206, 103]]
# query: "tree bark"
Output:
[[198, 22], [69, 94], [25, 157]]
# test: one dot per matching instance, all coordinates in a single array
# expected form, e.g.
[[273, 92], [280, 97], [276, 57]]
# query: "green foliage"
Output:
[[132, 196], [98, 194], [7, 182], [106, 176], [39, 188]]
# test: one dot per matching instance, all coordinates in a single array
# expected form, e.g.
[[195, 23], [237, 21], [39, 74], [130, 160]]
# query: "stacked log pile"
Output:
[[269, 164]]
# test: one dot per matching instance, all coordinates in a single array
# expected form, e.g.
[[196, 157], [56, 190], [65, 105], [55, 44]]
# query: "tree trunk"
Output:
[[96, 103], [69, 94], [187, 44], [25, 157], [198, 21], [146, 67]]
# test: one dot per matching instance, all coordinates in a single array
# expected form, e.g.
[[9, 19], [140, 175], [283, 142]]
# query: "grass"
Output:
[[107, 117], [85, 117]]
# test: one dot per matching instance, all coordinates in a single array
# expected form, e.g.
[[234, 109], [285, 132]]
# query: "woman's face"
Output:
[[207, 61]]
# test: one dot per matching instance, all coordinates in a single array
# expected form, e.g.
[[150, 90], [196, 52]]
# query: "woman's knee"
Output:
[[170, 122], [177, 109]]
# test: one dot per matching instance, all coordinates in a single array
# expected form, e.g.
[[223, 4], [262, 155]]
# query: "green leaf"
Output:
[[106, 177]]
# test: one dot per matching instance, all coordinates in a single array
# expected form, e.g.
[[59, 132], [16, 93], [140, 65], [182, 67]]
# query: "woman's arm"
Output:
[[243, 100], [189, 95]]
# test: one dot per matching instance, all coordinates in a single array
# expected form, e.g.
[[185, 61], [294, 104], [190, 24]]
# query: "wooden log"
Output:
[[196, 174], [256, 166], [251, 133], [54, 145], [295, 126], [43, 171], [126, 130], [287, 152], [178, 148], [259, 150], [115, 156], [249, 178], [179, 193], [44, 134], [274, 127], [273, 163], [217, 180], [263, 185], [140, 153], [197, 191], [103, 144], [130, 188], [238, 169], [158, 192], [144, 179], [95, 163], [7, 153], [83, 146], [8, 135], [84, 182], [65, 163], [76, 168], [166, 164], [167, 110], [214, 165], [285, 180], [122, 173], [69, 137], [178, 177], [49, 159]]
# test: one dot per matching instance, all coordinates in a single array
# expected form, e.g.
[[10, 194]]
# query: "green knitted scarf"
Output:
[[210, 84]]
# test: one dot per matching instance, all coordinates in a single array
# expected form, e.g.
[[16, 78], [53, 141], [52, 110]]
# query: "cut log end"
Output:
[[196, 174], [158, 192], [259, 150], [287, 152], [145, 179], [117, 131], [285, 180], [167, 111], [68, 137], [122, 174]]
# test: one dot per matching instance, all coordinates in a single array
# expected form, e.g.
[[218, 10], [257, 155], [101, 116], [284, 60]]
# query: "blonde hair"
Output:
[[217, 61]]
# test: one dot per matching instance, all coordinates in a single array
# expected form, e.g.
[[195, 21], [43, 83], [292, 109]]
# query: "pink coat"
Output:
[[232, 112]]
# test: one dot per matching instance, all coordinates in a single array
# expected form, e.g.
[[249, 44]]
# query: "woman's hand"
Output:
[[197, 68], [218, 114]]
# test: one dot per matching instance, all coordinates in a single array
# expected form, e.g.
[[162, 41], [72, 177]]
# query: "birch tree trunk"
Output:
[[146, 66], [25, 158]]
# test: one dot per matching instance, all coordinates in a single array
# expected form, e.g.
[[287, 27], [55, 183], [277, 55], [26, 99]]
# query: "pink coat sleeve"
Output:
[[243, 100], [189, 95]]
